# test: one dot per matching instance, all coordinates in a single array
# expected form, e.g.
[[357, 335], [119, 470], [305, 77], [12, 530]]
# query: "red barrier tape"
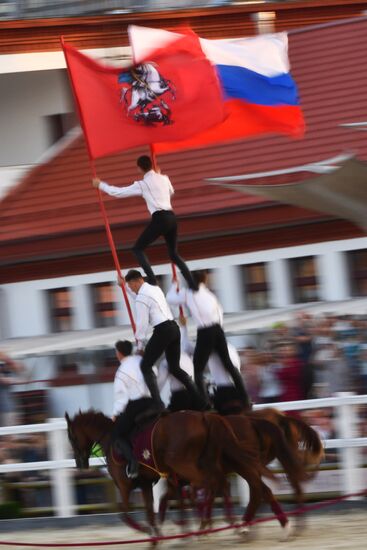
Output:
[[189, 534]]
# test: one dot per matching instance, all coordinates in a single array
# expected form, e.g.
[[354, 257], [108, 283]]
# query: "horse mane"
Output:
[[99, 419]]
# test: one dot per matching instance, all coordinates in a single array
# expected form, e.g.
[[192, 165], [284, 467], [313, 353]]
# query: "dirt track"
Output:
[[342, 531]]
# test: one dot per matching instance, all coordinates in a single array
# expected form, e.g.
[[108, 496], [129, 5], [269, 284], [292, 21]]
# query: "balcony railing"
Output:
[[35, 9]]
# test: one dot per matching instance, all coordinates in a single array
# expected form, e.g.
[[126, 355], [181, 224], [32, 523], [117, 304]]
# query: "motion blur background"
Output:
[[292, 280]]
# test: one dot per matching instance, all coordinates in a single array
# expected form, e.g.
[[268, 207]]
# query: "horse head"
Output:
[[81, 443]]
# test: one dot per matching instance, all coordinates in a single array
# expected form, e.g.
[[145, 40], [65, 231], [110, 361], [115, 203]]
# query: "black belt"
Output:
[[168, 322]]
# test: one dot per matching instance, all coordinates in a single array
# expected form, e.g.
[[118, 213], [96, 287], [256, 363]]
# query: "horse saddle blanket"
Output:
[[141, 442], [143, 445]]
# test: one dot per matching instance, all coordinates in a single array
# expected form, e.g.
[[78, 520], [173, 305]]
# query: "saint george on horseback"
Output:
[[141, 92]]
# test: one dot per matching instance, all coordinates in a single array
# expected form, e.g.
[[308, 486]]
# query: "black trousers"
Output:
[[163, 224], [125, 422], [212, 339], [166, 338]]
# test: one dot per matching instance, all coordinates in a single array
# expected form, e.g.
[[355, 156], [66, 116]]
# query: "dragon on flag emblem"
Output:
[[144, 93]]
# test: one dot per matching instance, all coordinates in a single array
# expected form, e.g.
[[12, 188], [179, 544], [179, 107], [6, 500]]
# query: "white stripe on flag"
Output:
[[265, 54]]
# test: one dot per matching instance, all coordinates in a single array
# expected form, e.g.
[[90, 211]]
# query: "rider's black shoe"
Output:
[[132, 469]]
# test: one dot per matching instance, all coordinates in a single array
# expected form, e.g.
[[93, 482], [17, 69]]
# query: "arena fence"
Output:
[[348, 443]]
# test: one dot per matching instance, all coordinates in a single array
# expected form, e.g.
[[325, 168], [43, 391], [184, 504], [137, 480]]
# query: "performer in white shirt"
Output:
[[151, 309], [131, 398], [156, 189], [225, 396], [208, 316], [180, 398]]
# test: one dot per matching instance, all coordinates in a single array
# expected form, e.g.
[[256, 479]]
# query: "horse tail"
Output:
[[287, 457], [222, 442], [300, 435]]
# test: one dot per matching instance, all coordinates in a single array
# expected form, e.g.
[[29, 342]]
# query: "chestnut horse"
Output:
[[187, 445]]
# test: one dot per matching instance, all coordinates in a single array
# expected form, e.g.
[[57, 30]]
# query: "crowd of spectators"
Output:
[[310, 357]]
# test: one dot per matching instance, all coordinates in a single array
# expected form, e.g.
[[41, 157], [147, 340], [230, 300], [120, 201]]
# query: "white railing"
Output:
[[60, 466]]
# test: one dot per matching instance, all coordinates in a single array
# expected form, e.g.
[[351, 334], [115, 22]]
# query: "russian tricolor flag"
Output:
[[260, 94]]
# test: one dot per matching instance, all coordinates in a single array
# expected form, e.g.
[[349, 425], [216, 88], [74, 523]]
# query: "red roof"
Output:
[[53, 215]]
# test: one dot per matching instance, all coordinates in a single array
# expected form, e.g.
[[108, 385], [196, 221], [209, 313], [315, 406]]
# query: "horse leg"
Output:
[[256, 496], [124, 486], [228, 508], [174, 490], [300, 521], [147, 491], [163, 504], [278, 511], [206, 508]]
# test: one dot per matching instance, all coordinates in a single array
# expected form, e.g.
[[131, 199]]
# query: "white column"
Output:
[[265, 21], [61, 478], [4, 316], [229, 288], [347, 427], [82, 308], [280, 284], [122, 313], [333, 276], [28, 310]]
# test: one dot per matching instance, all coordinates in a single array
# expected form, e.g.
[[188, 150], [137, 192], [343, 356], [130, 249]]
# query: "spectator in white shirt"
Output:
[[208, 315], [156, 189], [131, 398], [151, 309]]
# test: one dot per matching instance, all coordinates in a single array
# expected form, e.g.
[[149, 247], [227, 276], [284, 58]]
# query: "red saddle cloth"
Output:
[[142, 447]]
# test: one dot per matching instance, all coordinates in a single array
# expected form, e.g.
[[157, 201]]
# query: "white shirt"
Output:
[[151, 309], [129, 383], [186, 364], [156, 189], [203, 304], [219, 376]]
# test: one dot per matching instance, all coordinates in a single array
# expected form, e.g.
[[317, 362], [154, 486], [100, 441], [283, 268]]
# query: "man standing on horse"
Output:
[[225, 396], [208, 315], [131, 398], [156, 189], [151, 309]]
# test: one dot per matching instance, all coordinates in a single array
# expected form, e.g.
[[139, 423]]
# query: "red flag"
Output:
[[171, 96]]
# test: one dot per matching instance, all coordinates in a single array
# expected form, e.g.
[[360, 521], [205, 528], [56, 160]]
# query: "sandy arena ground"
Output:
[[341, 531]]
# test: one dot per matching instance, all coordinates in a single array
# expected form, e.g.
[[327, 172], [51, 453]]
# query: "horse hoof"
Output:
[[286, 532], [244, 533]]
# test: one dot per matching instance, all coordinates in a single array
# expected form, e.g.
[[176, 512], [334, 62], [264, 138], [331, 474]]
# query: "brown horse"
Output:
[[187, 445], [301, 437], [271, 444], [295, 444]]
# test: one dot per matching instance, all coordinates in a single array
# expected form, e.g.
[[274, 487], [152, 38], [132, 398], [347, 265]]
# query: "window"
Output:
[[357, 260], [104, 304], [61, 312], [256, 286], [304, 278], [58, 125]]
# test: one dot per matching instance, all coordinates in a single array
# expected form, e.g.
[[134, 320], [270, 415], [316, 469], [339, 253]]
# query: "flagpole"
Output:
[[113, 251], [100, 200], [174, 272]]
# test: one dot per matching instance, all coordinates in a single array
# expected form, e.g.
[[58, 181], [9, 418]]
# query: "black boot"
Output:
[[240, 387], [198, 393], [123, 447], [151, 381]]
